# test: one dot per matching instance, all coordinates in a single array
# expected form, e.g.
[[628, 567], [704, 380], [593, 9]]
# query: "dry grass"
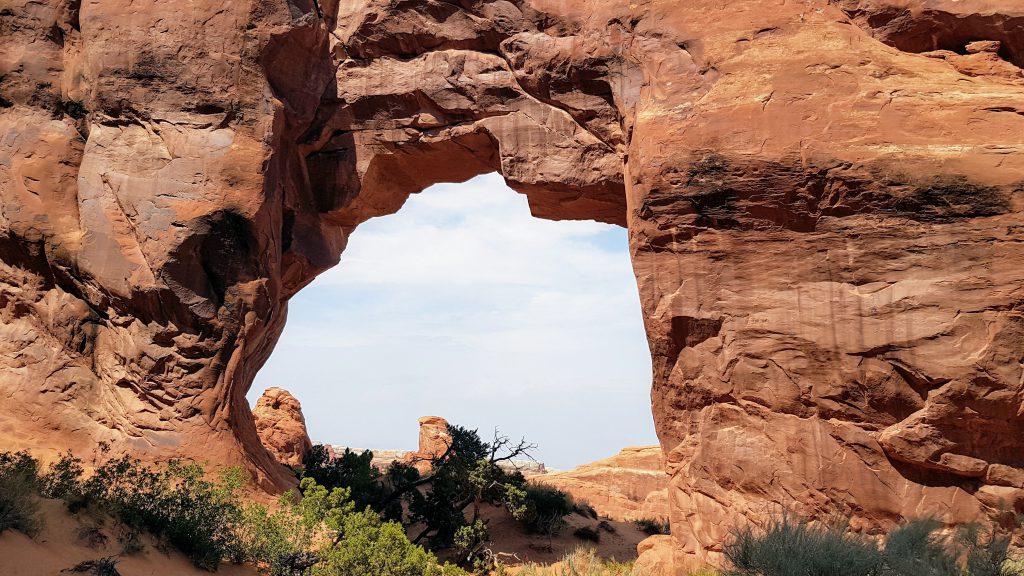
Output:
[[581, 562]]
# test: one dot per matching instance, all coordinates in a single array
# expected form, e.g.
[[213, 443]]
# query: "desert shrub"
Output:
[[587, 533], [178, 504], [606, 526], [92, 535], [469, 544], [915, 549], [367, 485], [581, 562], [988, 554], [543, 509], [62, 479], [368, 546], [322, 534], [582, 507], [797, 548], [652, 527], [19, 504], [106, 566]]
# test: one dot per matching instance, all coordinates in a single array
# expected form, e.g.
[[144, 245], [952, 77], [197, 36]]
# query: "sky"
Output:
[[462, 305]]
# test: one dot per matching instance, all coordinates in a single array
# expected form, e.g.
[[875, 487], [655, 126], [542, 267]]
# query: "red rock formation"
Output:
[[823, 219], [281, 426], [631, 485]]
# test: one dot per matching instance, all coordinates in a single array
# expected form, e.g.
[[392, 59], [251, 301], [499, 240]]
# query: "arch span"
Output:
[[823, 227]]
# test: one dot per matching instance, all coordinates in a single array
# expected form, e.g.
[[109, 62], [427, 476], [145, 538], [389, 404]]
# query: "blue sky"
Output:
[[463, 305]]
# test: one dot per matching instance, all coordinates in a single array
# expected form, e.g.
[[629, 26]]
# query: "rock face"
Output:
[[631, 485], [824, 212], [281, 427], [434, 442]]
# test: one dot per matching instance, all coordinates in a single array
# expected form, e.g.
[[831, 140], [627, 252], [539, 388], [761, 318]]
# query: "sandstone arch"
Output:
[[823, 227]]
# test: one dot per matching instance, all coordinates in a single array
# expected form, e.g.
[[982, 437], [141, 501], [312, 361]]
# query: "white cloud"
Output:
[[465, 306]]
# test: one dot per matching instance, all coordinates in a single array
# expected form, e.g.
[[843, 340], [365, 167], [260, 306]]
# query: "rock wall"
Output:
[[631, 485], [824, 201]]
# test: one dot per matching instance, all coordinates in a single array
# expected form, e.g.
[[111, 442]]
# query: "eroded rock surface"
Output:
[[630, 485], [824, 202], [281, 426]]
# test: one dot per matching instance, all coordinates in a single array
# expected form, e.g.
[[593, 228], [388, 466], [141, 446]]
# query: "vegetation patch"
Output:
[[789, 547], [652, 526], [19, 504]]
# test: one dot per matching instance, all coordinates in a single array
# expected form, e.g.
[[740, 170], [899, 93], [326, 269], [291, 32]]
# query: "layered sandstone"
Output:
[[630, 485], [824, 202], [281, 426]]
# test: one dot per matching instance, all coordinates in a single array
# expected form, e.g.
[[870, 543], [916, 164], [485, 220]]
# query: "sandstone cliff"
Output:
[[824, 201], [631, 485]]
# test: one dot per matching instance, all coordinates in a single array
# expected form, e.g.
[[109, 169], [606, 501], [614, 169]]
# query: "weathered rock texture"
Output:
[[630, 485], [825, 221], [281, 426]]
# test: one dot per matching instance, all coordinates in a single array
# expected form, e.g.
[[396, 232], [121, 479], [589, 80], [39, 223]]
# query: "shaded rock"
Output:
[[1002, 475], [281, 427]]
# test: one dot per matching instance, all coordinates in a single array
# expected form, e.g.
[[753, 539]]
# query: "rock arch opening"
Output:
[[465, 305]]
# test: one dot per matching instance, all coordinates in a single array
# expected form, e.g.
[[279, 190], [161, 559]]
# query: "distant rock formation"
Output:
[[281, 426], [433, 442], [628, 486]]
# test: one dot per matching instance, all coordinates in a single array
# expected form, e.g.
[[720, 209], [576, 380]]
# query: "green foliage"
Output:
[[19, 505], [469, 545], [355, 471], [652, 527], [322, 534], [544, 509], [914, 549], [797, 548], [178, 504], [587, 533]]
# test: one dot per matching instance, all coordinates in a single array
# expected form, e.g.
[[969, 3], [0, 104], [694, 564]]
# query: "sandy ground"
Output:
[[58, 547], [513, 546]]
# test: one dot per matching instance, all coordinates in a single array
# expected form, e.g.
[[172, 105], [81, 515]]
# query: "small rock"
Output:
[[983, 46], [963, 465], [1003, 475]]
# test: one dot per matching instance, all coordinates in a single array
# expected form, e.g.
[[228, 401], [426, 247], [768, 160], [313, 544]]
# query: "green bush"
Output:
[[796, 548], [652, 527], [544, 509], [178, 504], [19, 505]]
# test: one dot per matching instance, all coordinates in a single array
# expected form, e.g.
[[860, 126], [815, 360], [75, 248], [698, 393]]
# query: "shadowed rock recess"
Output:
[[824, 202]]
